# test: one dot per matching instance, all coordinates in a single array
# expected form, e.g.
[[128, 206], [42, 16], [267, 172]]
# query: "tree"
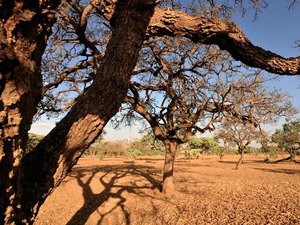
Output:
[[148, 145], [151, 142], [239, 134], [33, 140], [288, 139], [204, 144], [31, 177], [115, 148], [181, 88], [133, 152], [269, 150], [24, 29], [95, 148]]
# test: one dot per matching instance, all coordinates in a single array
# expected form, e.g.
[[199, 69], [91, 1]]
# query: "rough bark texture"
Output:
[[45, 167], [24, 29], [168, 185], [227, 35]]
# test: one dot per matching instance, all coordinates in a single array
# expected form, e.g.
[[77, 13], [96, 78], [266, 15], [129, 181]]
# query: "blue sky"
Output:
[[276, 29]]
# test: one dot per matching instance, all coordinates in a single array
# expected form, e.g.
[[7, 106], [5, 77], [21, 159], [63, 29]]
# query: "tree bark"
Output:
[[44, 168], [240, 161], [24, 29], [168, 184], [227, 35]]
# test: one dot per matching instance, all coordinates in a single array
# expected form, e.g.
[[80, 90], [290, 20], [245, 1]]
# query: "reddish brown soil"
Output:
[[116, 191]]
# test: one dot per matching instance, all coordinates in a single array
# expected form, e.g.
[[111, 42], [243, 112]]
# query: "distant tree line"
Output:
[[235, 139]]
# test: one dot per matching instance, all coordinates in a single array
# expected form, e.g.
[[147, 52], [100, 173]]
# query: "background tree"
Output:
[[288, 139], [114, 149], [181, 88], [151, 142], [239, 134], [148, 145], [204, 144], [33, 140], [268, 148], [24, 29], [133, 153], [95, 148]]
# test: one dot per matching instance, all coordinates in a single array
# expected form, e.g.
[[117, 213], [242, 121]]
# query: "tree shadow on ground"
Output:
[[285, 171], [228, 162], [151, 159], [113, 188], [247, 161], [194, 163]]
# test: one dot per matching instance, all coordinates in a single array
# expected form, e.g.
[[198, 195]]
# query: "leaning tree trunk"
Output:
[[24, 29], [240, 161], [45, 167], [291, 157], [282, 160], [168, 184]]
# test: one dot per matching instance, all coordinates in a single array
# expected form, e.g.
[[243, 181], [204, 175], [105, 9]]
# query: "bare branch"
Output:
[[226, 35]]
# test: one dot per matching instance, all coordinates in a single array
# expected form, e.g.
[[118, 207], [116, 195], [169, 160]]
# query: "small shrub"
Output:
[[132, 152]]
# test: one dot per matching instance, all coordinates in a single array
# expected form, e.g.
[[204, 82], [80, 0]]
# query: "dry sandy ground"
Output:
[[116, 191]]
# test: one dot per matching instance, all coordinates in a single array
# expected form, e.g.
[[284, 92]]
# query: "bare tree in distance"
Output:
[[25, 26], [239, 135]]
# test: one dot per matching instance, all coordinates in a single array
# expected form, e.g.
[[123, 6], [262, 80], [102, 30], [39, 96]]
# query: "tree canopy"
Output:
[[238, 134], [288, 138]]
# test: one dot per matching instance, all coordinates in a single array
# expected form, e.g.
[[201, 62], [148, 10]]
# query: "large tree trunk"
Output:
[[45, 167], [171, 148], [24, 29]]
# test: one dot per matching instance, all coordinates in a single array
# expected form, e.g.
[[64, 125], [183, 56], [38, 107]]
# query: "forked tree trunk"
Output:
[[44, 168], [168, 184], [240, 161], [24, 29]]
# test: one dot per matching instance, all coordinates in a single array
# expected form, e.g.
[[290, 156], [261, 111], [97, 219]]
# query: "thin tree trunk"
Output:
[[22, 43], [168, 184], [293, 156], [46, 166], [240, 161]]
